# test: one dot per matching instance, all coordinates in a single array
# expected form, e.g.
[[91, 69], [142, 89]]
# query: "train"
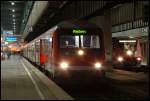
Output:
[[126, 51], [70, 48]]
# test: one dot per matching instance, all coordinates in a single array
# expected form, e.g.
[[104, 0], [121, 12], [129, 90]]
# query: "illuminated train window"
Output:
[[90, 41], [68, 41], [87, 41]]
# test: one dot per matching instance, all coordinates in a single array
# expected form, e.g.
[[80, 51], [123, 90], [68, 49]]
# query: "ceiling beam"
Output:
[[37, 10]]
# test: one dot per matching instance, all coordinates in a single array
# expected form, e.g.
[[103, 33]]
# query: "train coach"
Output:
[[70, 48], [126, 52]]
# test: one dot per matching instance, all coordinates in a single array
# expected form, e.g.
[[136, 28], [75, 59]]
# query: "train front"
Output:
[[129, 53], [81, 52]]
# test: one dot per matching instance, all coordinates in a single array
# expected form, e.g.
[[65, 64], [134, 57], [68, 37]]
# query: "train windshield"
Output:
[[79, 41], [129, 45]]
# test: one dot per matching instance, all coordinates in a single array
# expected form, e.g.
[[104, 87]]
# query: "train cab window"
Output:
[[90, 41], [128, 45], [87, 41], [68, 41]]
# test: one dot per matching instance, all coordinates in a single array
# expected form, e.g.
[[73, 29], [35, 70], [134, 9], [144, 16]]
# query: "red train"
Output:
[[71, 47], [126, 52]]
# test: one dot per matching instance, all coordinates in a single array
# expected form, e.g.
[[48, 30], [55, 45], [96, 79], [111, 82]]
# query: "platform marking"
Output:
[[33, 81]]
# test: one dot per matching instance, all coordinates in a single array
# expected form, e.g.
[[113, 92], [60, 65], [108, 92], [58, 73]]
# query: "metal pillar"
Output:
[[107, 26]]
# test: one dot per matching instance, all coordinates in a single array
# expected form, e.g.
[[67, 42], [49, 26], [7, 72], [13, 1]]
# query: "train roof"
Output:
[[76, 24], [73, 23]]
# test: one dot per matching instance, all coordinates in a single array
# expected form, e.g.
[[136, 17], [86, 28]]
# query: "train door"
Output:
[[37, 52], [48, 53], [45, 43], [33, 52]]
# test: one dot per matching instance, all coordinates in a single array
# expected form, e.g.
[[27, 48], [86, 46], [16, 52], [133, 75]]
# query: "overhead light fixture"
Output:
[[127, 41], [13, 10], [12, 3], [13, 19], [13, 15], [130, 36]]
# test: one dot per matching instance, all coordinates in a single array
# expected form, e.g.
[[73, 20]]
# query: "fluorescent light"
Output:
[[131, 37], [127, 40], [13, 15], [12, 3], [13, 19]]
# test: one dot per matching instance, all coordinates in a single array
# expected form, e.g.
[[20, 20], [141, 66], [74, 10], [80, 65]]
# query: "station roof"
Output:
[[11, 15], [76, 24]]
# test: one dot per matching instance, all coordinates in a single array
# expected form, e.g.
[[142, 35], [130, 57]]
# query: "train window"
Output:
[[90, 41], [128, 45], [45, 45], [87, 41], [37, 51], [68, 41]]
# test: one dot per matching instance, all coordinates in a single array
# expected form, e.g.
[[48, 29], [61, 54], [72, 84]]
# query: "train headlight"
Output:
[[64, 65], [129, 52], [120, 59], [80, 52], [98, 65], [138, 58]]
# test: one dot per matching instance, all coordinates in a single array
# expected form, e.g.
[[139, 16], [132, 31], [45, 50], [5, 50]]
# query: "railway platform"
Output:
[[22, 81]]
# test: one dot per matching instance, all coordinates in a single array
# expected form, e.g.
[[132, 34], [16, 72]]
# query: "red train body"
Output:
[[69, 47], [126, 52]]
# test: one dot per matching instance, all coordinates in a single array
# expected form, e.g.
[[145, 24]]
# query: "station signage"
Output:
[[8, 32], [11, 38]]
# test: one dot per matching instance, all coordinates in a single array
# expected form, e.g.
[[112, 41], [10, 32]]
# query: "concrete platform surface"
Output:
[[22, 81]]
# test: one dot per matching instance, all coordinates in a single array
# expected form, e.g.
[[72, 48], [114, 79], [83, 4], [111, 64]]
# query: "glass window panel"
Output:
[[90, 41], [87, 41], [68, 41]]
